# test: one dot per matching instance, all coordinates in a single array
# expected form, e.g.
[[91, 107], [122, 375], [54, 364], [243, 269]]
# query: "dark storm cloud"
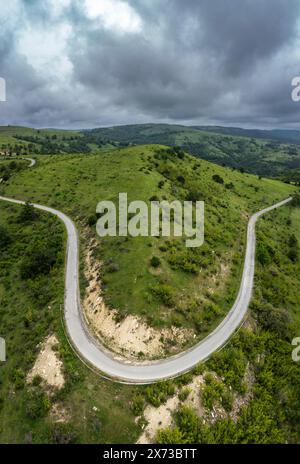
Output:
[[221, 61]]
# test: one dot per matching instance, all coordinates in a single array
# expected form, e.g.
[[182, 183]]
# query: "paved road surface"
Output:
[[103, 360]]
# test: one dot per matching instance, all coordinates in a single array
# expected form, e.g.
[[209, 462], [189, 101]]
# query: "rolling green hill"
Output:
[[281, 135], [256, 152], [15, 140], [263, 157]]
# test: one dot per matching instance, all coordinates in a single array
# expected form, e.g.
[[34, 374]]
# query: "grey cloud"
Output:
[[225, 62]]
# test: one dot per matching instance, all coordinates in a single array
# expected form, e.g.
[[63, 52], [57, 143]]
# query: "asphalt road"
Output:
[[31, 160], [103, 360]]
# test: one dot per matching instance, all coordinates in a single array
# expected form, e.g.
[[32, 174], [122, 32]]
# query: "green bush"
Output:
[[166, 293], [184, 393], [27, 213], [293, 254], [37, 404], [5, 237], [159, 393], [276, 320], [263, 254], [39, 261], [155, 261], [138, 405], [218, 179], [92, 219]]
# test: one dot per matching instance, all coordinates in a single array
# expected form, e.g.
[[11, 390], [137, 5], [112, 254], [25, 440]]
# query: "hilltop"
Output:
[[259, 153]]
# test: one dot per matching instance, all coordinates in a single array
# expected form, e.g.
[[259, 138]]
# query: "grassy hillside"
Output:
[[280, 135], [263, 347], [31, 298], [16, 140], [251, 151], [191, 288], [262, 157]]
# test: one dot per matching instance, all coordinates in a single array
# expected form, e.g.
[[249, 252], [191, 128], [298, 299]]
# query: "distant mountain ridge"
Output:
[[282, 135], [270, 153]]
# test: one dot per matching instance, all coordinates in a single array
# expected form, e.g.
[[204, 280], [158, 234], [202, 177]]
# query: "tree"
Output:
[[27, 213], [170, 436], [263, 254], [293, 241], [296, 200], [38, 261], [218, 179], [155, 261], [5, 238], [293, 254]]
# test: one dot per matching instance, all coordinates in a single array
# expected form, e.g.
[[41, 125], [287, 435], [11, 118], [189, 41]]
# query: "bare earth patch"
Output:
[[162, 417], [158, 418], [131, 338], [59, 413], [242, 401], [47, 365]]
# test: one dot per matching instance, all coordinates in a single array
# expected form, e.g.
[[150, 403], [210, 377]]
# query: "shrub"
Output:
[[293, 254], [179, 152], [37, 404], [170, 436], [193, 195], [181, 179], [155, 261], [218, 179], [92, 219], [112, 267], [263, 254], [38, 261], [63, 434], [296, 200], [231, 365], [184, 393], [159, 393], [138, 405], [273, 319], [5, 238], [28, 213], [293, 241], [18, 378], [166, 293]]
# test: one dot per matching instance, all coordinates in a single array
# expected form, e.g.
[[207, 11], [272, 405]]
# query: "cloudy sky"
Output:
[[89, 63]]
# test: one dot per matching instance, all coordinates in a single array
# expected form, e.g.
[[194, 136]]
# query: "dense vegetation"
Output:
[[8, 168], [30, 310], [24, 141], [161, 277], [163, 281], [273, 414]]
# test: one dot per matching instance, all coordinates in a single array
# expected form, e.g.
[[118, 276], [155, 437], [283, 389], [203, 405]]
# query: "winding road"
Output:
[[103, 360]]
